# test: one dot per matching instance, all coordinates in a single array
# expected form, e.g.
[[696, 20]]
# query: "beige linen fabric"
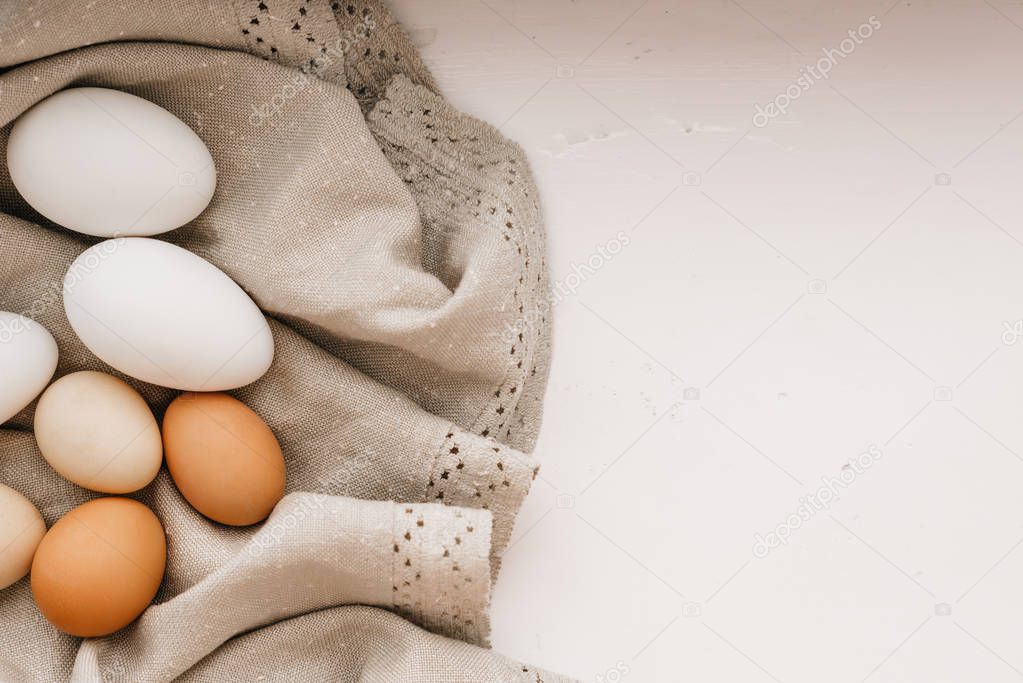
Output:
[[390, 649], [397, 247]]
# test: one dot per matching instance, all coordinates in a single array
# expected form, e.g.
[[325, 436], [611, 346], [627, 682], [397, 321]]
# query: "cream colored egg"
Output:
[[21, 530], [98, 432]]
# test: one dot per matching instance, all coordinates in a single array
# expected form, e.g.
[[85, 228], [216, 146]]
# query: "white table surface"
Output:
[[789, 296]]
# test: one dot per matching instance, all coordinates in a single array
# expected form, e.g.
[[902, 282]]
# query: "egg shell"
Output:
[[105, 162], [163, 315], [21, 530], [98, 432], [223, 458], [99, 567], [28, 359]]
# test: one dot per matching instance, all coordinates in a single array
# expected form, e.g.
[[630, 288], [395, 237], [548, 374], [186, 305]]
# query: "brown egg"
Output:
[[99, 567], [224, 459]]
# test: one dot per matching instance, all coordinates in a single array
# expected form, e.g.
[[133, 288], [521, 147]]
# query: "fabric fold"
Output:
[[396, 247], [358, 644], [427, 562], [472, 183]]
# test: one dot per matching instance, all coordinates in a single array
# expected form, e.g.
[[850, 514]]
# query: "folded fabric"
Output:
[[427, 562], [381, 646], [396, 246]]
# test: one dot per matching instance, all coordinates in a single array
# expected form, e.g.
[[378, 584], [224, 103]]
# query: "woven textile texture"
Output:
[[396, 246]]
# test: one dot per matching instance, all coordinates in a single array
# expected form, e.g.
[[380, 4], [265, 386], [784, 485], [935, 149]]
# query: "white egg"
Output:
[[98, 432], [106, 163], [21, 530], [28, 358], [163, 315]]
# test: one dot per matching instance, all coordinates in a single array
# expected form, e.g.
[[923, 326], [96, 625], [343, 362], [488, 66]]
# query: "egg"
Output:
[[223, 458], [28, 359], [163, 315], [21, 530], [98, 432], [99, 567], [105, 162]]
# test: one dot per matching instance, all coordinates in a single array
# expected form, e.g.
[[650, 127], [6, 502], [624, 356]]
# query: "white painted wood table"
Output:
[[783, 437]]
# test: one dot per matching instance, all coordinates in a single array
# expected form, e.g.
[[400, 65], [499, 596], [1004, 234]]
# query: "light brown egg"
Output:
[[224, 459], [99, 567]]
